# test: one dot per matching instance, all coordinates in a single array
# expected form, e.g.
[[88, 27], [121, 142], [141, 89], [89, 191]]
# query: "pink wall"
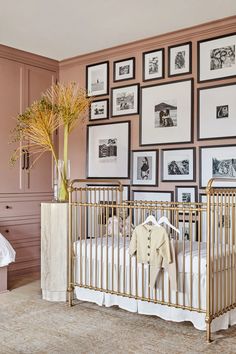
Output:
[[74, 70]]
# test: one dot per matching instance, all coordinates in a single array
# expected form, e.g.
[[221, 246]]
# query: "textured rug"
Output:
[[31, 325]]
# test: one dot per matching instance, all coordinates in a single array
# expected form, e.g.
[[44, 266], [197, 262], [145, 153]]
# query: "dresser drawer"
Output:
[[19, 208], [16, 234]]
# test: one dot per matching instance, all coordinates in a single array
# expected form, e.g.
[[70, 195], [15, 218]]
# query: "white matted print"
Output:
[[97, 79], [145, 168], [99, 109], [218, 161], [185, 194], [166, 113], [180, 59], [125, 100], [108, 150], [216, 58], [217, 112], [153, 65], [124, 69], [178, 165]]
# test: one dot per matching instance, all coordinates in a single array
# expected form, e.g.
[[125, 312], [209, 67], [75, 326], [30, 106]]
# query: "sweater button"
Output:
[[148, 246], [148, 254]]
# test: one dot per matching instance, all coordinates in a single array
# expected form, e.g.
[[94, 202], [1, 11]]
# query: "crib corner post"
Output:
[[208, 330], [70, 296], [70, 245]]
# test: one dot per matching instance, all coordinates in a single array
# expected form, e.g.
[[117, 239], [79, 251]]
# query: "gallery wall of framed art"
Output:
[[174, 98]]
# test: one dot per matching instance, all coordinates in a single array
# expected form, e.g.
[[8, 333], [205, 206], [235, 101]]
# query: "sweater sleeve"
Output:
[[165, 252], [133, 243]]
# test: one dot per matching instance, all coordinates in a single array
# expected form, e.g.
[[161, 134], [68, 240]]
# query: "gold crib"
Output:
[[207, 228]]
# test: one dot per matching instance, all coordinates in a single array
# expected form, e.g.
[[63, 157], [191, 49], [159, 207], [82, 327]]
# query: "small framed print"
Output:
[[153, 65], [218, 162], [217, 112], [99, 109], [178, 165], [124, 70], [188, 230], [125, 100], [180, 59], [186, 194], [108, 150], [216, 58], [166, 113], [145, 167], [97, 79]]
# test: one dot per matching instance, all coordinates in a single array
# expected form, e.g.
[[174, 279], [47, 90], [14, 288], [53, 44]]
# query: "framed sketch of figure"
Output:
[[180, 59], [145, 170]]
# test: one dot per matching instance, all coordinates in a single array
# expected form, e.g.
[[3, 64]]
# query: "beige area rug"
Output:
[[31, 325]]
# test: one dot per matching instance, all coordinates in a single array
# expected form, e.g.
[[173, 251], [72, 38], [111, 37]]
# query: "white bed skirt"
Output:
[[147, 308]]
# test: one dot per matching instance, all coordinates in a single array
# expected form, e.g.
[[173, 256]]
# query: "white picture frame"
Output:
[[166, 113], [180, 59], [99, 109], [178, 165], [97, 79], [108, 150], [217, 112], [144, 167], [216, 58], [153, 65], [125, 100], [124, 69], [217, 162]]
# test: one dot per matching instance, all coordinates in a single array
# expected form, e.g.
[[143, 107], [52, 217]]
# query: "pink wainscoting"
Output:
[[3, 279]]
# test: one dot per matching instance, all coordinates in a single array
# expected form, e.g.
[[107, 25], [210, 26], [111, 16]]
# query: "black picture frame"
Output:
[[220, 77], [127, 175], [155, 184], [191, 118], [145, 54], [187, 187], [117, 62], [170, 48], [193, 179], [89, 67], [217, 123], [171, 193], [136, 110], [107, 109]]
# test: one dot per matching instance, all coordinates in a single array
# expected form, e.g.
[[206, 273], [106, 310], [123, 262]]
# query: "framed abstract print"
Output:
[[145, 167], [186, 194], [153, 65], [124, 69], [178, 164], [216, 58], [217, 162], [180, 59], [125, 100], [99, 110], [108, 150], [217, 112], [97, 79], [166, 113]]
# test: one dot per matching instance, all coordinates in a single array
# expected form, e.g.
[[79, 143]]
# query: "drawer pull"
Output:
[[7, 231], [8, 207]]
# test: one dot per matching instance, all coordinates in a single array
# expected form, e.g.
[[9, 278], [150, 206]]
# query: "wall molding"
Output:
[[213, 28]]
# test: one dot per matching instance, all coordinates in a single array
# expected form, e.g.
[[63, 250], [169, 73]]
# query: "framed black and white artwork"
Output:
[[97, 79], [125, 100], [145, 168], [188, 230], [216, 58], [153, 65], [108, 150], [124, 69], [178, 164], [180, 59], [186, 194], [166, 113], [217, 112], [215, 162], [99, 110]]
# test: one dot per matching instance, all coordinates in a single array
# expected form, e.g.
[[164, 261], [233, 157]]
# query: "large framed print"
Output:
[[215, 162], [153, 65], [186, 194], [125, 100], [180, 59], [99, 109], [178, 165], [217, 112], [108, 150], [145, 167], [124, 69], [216, 58], [166, 113], [97, 79]]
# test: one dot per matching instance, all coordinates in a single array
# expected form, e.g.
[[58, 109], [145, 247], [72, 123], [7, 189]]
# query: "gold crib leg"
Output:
[[208, 325], [70, 296]]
